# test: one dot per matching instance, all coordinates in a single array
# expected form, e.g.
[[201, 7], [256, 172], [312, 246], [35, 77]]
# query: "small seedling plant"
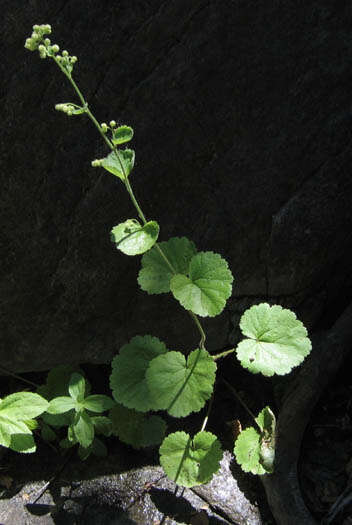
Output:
[[148, 377]]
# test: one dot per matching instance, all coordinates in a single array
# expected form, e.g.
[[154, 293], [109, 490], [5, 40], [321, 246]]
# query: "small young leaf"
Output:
[[77, 387], [132, 238], [127, 379], [23, 405], [57, 382], [119, 163], [98, 403], [59, 405], [102, 425], [190, 462], [135, 428], [122, 134], [277, 340], [247, 451], [83, 429], [180, 387], [208, 286], [155, 274], [255, 451]]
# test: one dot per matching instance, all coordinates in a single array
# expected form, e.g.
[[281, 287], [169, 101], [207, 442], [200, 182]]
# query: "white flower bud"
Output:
[[47, 41], [104, 127], [55, 48], [112, 123], [73, 59], [96, 163], [35, 27], [65, 53], [41, 48], [47, 28]]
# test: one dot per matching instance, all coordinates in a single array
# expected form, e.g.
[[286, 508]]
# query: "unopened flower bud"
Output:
[[96, 163], [47, 28], [55, 48], [73, 59], [65, 53], [47, 41], [35, 36], [41, 48], [112, 123], [104, 127], [35, 27]]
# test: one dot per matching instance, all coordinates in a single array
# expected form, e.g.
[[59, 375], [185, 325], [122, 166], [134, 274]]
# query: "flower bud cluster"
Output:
[[66, 108], [36, 38], [96, 163], [66, 61]]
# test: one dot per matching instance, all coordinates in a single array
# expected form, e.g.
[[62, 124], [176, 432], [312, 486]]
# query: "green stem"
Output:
[[223, 354], [9, 373], [127, 185], [208, 412], [230, 387]]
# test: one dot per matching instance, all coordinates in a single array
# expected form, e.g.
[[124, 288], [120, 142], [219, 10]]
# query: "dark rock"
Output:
[[242, 118]]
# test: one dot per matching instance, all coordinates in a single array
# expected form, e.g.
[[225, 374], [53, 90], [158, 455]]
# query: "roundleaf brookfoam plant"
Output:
[[146, 375]]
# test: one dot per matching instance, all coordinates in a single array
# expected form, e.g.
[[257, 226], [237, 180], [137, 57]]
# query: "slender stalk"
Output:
[[230, 387], [208, 412], [223, 354], [127, 185], [9, 373]]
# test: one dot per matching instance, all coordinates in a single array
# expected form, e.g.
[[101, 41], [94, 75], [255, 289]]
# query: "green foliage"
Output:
[[121, 135], [145, 375], [119, 163], [15, 410], [255, 451], [208, 286], [190, 462], [155, 274], [136, 428], [181, 386], [132, 238], [277, 340], [127, 381]]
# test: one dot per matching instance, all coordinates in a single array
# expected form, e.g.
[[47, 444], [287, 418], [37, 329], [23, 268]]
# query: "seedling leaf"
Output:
[[190, 462], [135, 428], [61, 404], [22, 406], [83, 429], [178, 386], [208, 286], [119, 163], [155, 274], [98, 403], [277, 340], [77, 387], [127, 379]]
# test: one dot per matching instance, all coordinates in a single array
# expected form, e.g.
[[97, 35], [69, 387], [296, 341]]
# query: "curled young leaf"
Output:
[[122, 134], [276, 340], [132, 238], [190, 462]]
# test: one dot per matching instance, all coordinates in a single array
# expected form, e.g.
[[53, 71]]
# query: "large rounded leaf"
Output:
[[178, 386], [190, 462], [127, 380], [136, 428], [208, 286], [132, 238], [277, 340], [155, 274]]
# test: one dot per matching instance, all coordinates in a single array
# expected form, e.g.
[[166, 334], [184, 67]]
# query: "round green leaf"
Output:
[[132, 238], [277, 340], [208, 286], [135, 428], [247, 451], [155, 274], [122, 134], [119, 163], [23, 405], [98, 403], [127, 380], [190, 462], [178, 386]]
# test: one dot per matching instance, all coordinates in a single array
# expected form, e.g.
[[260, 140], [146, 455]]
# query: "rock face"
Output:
[[242, 119]]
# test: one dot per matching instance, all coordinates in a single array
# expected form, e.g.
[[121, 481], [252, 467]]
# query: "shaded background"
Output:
[[242, 119]]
